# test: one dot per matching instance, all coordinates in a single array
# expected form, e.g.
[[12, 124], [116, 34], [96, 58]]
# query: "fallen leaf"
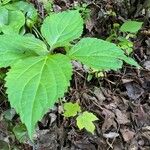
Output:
[[134, 91], [109, 120], [147, 65], [127, 134], [121, 117], [99, 94]]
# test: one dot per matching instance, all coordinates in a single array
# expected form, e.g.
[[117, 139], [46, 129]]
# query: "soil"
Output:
[[120, 99]]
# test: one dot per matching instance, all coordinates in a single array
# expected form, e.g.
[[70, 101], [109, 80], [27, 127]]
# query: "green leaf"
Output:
[[11, 21], [5, 1], [62, 28], [3, 16], [125, 45], [16, 20], [4, 145], [9, 114], [27, 8], [20, 132], [14, 47], [85, 120], [35, 84], [48, 5], [99, 54], [131, 26], [71, 109]]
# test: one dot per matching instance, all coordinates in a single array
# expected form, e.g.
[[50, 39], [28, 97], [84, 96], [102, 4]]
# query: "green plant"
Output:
[[131, 26], [11, 21], [30, 13], [20, 132], [83, 8], [71, 109], [3, 2], [83, 120], [38, 77], [129, 30], [48, 5], [13, 16]]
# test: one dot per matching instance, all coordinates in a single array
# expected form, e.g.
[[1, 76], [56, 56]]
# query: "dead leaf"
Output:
[[134, 91], [121, 117], [99, 95], [109, 120], [147, 65], [127, 134]]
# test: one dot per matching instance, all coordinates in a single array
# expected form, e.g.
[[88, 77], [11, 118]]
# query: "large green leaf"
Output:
[[60, 29], [99, 54], [35, 84], [14, 47]]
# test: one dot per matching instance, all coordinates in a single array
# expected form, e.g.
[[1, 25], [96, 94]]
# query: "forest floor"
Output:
[[120, 99]]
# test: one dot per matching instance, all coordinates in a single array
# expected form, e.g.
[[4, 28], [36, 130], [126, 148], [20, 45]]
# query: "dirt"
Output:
[[120, 99]]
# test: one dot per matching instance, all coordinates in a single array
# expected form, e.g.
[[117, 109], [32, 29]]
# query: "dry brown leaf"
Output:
[[109, 120], [127, 134], [121, 117]]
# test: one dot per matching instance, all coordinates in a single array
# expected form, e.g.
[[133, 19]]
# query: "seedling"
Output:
[[38, 76], [83, 8], [83, 120], [71, 109], [95, 73], [129, 30]]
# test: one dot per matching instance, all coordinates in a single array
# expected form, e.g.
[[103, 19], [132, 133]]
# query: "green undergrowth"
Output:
[[38, 76]]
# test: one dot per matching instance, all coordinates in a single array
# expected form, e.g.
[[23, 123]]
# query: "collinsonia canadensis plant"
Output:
[[38, 76]]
